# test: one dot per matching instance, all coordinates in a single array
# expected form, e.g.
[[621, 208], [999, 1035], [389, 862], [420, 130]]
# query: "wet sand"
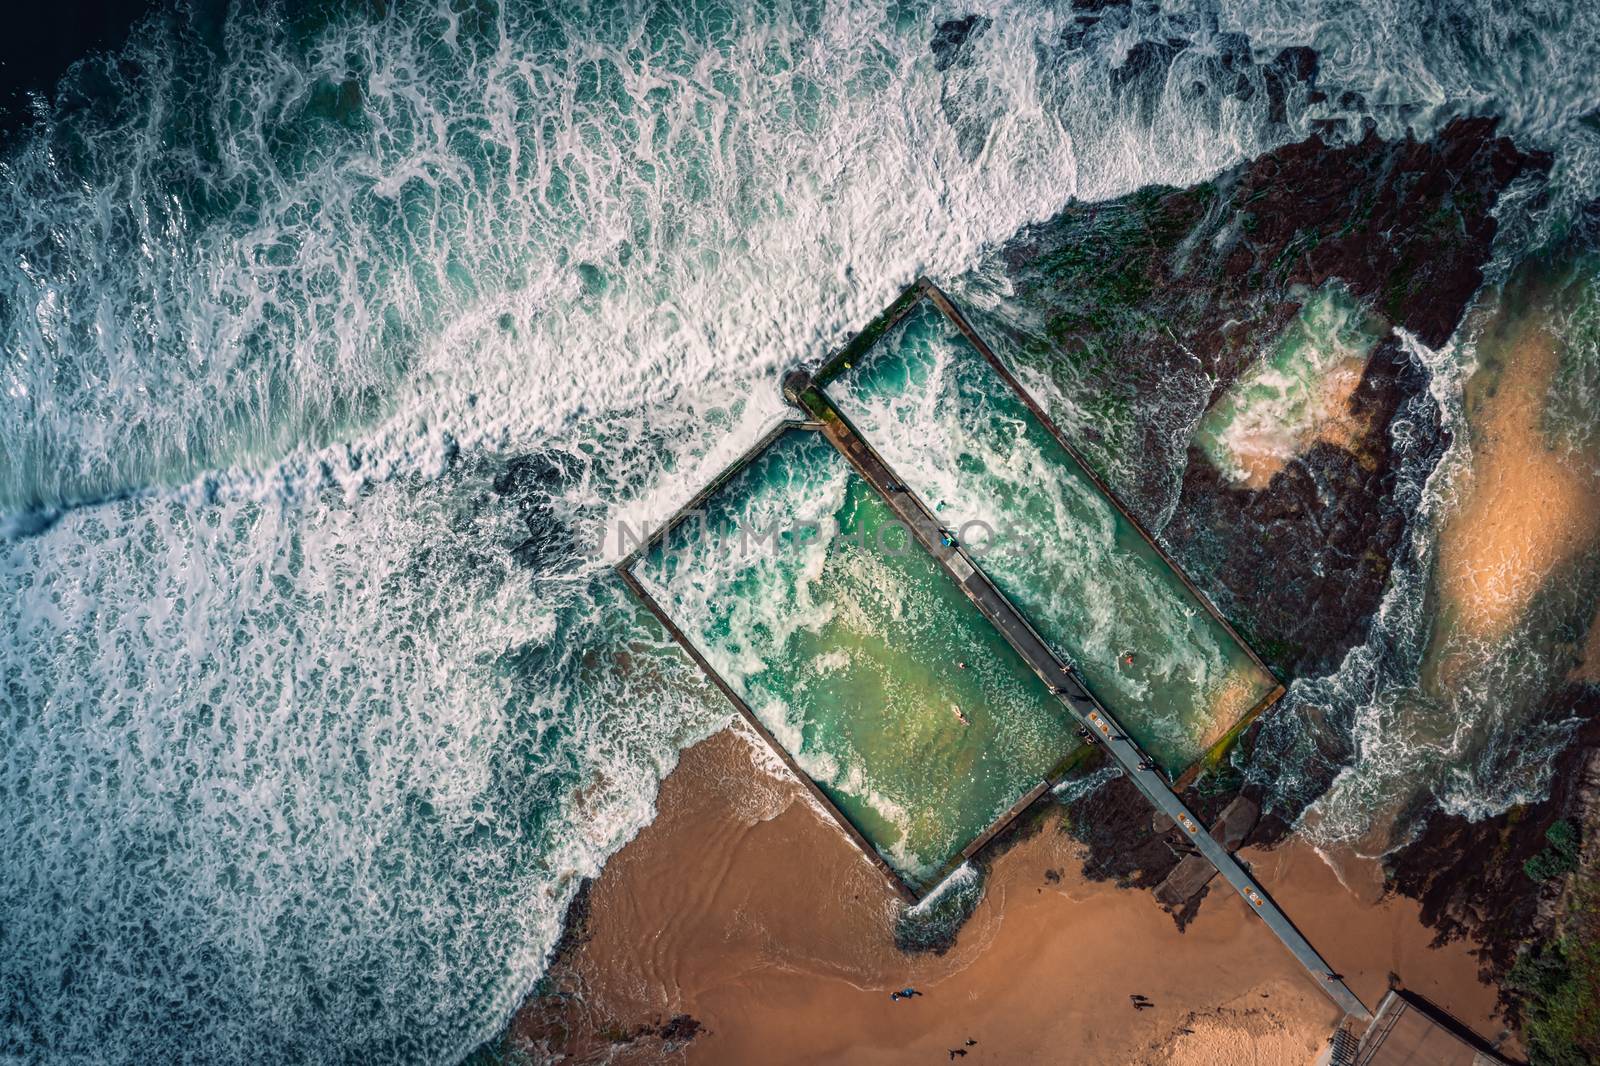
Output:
[[1264, 451], [742, 908], [1526, 510]]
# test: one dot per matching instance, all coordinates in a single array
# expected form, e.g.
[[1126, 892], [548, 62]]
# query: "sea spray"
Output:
[[930, 927], [1073, 788]]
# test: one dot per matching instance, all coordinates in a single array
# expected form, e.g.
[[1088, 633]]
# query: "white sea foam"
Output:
[[294, 757], [962, 878]]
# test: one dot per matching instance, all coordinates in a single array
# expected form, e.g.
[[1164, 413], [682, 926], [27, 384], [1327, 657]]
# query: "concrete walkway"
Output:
[[1064, 682]]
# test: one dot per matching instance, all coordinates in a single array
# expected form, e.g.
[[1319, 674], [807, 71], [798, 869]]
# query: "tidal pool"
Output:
[[1056, 545], [856, 650], [1298, 394]]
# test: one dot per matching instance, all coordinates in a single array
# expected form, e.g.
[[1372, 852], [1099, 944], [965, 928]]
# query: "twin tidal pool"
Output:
[[862, 658]]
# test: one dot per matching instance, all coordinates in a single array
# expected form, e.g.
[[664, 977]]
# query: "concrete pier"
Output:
[[1064, 681]]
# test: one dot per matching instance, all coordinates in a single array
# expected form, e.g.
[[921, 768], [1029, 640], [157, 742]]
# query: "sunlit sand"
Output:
[[1526, 509]]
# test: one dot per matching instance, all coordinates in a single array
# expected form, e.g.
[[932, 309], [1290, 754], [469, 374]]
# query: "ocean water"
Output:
[[335, 344]]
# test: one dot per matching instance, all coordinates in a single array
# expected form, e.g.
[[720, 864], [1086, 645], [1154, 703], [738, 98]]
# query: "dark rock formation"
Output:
[[1143, 74], [1172, 290], [1290, 66], [1470, 876], [950, 39], [534, 485], [1407, 227], [1145, 309], [1325, 530], [1137, 847], [965, 94]]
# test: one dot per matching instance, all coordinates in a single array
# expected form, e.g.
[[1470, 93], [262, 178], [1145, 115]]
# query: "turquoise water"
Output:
[[1053, 543], [858, 652], [336, 341], [1267, 416]]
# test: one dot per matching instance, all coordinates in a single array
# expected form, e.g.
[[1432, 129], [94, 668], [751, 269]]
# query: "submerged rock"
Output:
[[1305, 561], [950, 39]]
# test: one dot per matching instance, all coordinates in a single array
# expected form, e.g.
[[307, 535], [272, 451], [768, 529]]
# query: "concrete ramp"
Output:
[[1195, 871]]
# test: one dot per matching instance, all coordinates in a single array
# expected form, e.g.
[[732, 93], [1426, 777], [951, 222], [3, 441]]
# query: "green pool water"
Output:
[[848, 642], [1059, 549]]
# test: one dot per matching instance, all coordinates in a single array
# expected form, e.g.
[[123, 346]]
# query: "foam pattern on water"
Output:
[[954, 430], [254, 738], [859, 654], [294, 758]]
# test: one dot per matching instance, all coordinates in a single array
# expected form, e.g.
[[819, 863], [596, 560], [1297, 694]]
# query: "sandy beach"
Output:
[[1527, 509], [741, 913]]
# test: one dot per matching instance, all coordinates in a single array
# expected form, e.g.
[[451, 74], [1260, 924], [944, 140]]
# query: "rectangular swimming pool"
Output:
[[858, 654], [1055, 544]]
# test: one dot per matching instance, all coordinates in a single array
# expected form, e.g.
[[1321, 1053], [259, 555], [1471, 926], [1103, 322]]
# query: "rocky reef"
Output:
[[1142, 312], [1525, 886], [1140, 315]]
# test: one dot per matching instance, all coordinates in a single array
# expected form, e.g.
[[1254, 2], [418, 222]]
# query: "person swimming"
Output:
[[959, 716]]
